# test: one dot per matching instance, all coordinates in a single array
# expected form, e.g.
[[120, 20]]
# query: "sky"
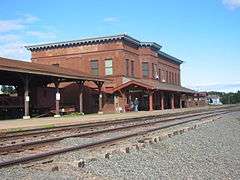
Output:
[[204, 34]]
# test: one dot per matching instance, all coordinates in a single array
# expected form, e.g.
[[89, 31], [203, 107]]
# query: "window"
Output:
[[159, 74], [154, 71], [176, 78], [167, 76], [127, 67], [145, 69], [94, 67], [170, 77], [163, 76], [108, 67], [179, 80], [132, 68]]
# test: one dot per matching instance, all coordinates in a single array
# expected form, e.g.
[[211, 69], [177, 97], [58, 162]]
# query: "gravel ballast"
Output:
[[209, 152], [212, 151]]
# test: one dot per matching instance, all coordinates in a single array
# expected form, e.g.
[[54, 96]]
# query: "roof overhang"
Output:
[[45, 70], [155, 86], [169, 57]]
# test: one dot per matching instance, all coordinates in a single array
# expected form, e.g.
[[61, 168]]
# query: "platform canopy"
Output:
[[12, 72], [153, 85]]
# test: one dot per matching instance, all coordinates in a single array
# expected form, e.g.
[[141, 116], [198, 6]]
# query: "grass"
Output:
[[48, 126]]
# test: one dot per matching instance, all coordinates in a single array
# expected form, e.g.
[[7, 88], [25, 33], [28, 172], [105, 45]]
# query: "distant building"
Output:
[[214, 100]]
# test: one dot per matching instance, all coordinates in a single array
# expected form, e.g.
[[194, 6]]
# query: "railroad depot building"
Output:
[[135, 70]]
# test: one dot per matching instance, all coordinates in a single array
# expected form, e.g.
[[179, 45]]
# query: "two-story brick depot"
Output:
[[133, 69], [136, 69]]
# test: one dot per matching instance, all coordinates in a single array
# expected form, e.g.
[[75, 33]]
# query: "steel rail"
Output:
[[4, 135], [38, 142], [89, 145]]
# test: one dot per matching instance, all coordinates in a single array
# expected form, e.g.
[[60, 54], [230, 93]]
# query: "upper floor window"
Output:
[[132, 68], [170, 77], [154, 71], [175, 78], [167, 77], [108, 67], [159, 74], [179, 80], [94, 67], [145, 69], [127, 67]]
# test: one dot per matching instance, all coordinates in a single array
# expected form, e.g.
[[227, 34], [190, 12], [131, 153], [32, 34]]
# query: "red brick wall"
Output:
[[79, 57]]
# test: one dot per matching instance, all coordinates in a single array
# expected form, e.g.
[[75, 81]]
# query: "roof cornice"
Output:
[[83, 42], [104, 39], [169, 57], [151, 44]]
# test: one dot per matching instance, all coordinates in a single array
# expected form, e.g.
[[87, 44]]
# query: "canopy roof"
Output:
[[154, 85], [11, 65]]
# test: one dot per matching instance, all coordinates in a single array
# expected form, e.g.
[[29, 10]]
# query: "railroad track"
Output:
[[32, 133], [124, 132], [11, 144]]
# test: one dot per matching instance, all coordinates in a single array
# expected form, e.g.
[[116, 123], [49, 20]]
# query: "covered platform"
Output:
[[26, 77], [155, 95]]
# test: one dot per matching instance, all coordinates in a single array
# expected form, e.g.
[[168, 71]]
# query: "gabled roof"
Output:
[[154, 85]]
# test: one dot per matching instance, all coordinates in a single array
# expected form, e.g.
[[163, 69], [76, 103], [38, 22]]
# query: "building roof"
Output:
[[102, 39], [48, 70], [154, 85], [169, 57]]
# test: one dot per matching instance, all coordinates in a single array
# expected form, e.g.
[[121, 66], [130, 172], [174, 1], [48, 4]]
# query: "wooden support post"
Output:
[[162, 100], [26, 98], [187, 101], [100, 97], [150, 100], [57, 110], [180, 102], [81, 86], [172, 101]]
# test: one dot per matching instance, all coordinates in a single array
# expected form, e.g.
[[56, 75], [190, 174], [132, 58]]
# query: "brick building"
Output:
[[136, 70]]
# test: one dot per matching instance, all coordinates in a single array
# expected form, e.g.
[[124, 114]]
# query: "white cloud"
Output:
[[8, 38], [9, 25], [232, 4], [17, 24], [41, 35], [218, 87], [110, 19], [13, 50], [28, 18], [16, 33]]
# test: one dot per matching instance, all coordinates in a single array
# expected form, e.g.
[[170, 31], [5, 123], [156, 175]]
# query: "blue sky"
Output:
[[205, 34]]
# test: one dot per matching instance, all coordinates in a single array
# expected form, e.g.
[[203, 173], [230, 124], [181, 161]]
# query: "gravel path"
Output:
[[212, 151]]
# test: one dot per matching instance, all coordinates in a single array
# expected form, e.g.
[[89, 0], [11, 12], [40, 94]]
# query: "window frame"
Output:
[[94, 68], [132, 68], [127, 67], [108, 67], [146, 74]]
